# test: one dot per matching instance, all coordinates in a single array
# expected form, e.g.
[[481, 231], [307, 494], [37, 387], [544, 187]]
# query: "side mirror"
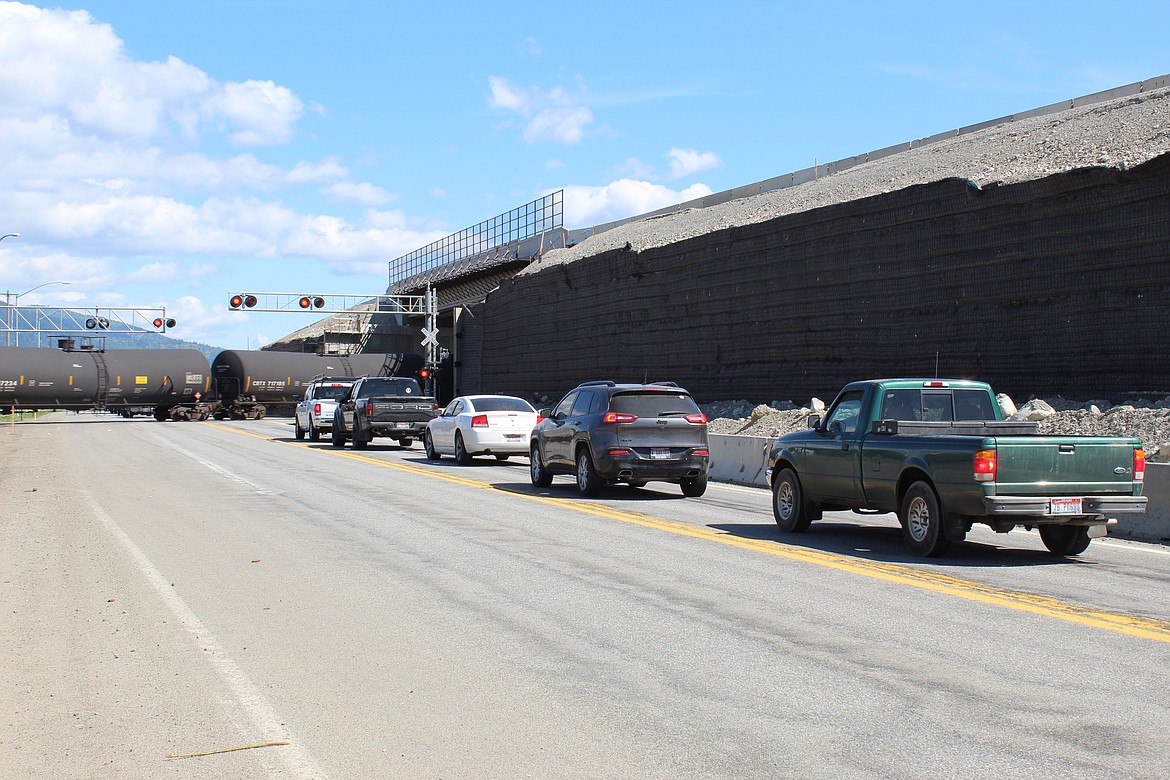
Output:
[[814, 421], [546, 413]]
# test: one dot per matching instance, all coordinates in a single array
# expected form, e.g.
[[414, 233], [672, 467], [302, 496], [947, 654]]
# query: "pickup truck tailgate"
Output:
[[1037, 465], [396, 409]]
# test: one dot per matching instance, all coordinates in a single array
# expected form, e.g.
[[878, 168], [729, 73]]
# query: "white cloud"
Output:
[[504, 95], [307, 173], [260, 112], [684, 162], [365, 194], [586, 206], [552, 116], [636, 168], [564, 124]]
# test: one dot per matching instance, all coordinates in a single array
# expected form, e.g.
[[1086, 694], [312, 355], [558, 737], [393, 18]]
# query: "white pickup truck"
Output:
[[315, 411]]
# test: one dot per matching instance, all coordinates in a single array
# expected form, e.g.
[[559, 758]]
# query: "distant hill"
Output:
[[119, 336]]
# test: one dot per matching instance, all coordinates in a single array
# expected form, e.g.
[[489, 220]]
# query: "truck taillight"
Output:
[[1139, 464], [984, 466], [616, 417], [479, 421], [316, 408], [369, 408]]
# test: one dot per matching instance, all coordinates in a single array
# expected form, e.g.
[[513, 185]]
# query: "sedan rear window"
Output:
[[501, 405], [652, 403]]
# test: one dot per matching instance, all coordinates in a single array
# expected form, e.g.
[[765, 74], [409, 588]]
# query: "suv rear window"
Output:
[[335, 392], [653, 403]]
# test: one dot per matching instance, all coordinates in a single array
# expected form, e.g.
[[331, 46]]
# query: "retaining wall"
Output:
[[1053, 286]]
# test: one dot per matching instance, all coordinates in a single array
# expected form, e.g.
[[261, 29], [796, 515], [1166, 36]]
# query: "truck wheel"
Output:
[[922, 522], [693, 488], [462, 456], [429, 447], [360, 439], [298, 431], [1065, 539], [588, 481], [792, 512], [338, 439], [314, 433], [540, 477]]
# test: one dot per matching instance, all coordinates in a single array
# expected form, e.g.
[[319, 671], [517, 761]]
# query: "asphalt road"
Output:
[[169, 591]]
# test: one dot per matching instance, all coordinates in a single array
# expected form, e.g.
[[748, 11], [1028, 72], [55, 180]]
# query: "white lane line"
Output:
[[1145, 547], [296, 759], [214, 467]]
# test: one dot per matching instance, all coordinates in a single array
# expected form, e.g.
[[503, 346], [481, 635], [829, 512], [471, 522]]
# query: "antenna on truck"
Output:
[[936, 364]]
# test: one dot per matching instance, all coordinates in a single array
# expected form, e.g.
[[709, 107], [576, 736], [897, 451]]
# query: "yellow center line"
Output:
[[1123, 623]]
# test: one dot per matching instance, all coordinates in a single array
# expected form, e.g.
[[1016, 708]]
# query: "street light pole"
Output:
[[8, 299], [11, 306]]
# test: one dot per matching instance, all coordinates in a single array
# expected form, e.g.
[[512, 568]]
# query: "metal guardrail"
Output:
[[542, 215]]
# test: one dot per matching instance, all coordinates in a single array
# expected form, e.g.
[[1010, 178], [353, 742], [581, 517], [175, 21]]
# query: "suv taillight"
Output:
[[697, 419], [1139, 464], [479, 421], [985, 466], [617, 417]]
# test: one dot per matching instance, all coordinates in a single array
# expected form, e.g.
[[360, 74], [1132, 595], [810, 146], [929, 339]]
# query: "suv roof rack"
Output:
[[603, 382], [665, 384]]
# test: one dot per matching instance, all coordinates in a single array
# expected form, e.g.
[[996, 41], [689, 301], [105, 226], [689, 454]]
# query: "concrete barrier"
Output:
[[744, 459]]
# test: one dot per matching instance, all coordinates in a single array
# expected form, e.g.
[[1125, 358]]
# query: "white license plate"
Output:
[[659, 453], [1064, 506], [513, 436], [403, 425]]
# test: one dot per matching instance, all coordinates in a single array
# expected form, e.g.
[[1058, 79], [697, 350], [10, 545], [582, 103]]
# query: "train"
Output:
[[176, 384]]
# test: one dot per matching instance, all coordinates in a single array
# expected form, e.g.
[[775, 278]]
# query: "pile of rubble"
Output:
[[1144, 419]]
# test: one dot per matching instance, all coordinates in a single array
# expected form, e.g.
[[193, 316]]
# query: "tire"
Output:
[[462, 456], [260, 415], [588, 482], [792, 511], [922, 521], [298, 431], [637, 483], [1065, 539], [693, 488], [314, 433], [360, 440], [429, 447], [540, 477], [338, 438]]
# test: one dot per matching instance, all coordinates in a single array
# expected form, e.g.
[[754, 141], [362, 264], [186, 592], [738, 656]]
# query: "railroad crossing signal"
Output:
[[430, 337]]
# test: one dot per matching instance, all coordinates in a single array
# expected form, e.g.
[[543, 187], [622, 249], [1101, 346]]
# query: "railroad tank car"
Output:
[[277, 378], [46, 378]]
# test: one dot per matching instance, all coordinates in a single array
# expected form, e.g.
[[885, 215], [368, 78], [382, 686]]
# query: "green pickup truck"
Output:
[[940, 455]]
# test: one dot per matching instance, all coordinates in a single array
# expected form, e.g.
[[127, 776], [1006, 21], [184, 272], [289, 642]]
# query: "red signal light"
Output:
[[236, 302], [158, 322], [171, 323], [424, 373], [305, 302], [318, 302], [250, 301]]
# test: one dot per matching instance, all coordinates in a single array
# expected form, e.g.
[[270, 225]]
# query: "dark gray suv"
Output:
[[604, 432]]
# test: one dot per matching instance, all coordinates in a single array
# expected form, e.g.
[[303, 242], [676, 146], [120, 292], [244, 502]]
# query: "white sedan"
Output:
[[481, 425]]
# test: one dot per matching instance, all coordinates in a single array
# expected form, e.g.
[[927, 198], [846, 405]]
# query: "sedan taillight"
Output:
[[479, 421]]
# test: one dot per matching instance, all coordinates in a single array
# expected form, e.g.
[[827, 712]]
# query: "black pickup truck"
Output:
[[394, 407]]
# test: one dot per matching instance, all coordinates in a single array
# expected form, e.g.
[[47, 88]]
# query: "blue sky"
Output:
[[174, 153]]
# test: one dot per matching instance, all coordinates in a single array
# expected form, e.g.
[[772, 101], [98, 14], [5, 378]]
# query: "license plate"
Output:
[[402, 425], [513, 436], [1064, 506], [659, 453]]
